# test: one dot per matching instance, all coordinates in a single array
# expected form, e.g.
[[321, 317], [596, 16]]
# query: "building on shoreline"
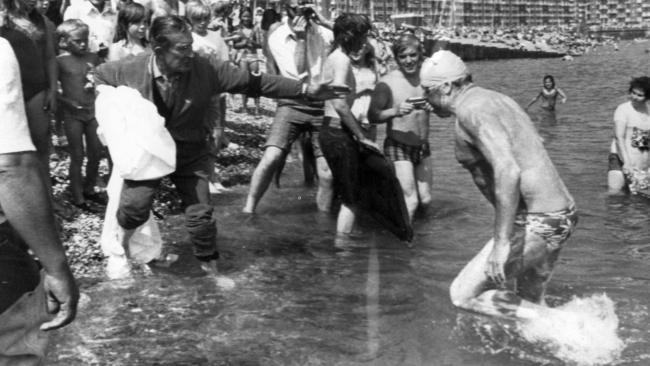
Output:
[[491, 13], [617, 14]]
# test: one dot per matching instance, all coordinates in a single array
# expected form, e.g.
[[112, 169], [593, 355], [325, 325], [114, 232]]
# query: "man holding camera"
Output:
[[299, 48], [398, 99]]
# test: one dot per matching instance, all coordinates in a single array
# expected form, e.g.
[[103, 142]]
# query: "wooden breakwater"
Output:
[[485, 51]]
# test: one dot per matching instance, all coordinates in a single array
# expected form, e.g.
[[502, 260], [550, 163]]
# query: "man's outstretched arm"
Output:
[[27, 206]]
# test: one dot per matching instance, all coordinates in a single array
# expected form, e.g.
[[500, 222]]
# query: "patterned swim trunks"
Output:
[[397, 151], [554, 227]]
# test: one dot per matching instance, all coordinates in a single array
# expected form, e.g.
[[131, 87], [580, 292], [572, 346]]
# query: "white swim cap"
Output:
[[442, 66]]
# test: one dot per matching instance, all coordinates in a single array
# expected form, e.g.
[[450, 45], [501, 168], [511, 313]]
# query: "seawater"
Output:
[[300, 298]]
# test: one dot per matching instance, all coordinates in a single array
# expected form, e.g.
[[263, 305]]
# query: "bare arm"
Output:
[[494, 143], [620, 128], [52, 68], [339, 67], [533, 101], [562, 95], [27, 205], [380, 110]]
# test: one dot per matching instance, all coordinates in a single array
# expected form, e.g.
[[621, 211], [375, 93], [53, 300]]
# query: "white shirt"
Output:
[[282, 44], [14, 131], [101, 25]]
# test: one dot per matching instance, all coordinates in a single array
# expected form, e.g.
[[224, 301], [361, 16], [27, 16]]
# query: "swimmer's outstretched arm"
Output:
[[534, 100]]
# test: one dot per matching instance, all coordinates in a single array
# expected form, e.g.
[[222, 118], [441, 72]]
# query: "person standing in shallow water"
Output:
[[407, 135], [342, 136], [548, 96], [534, 212], [629, 156]]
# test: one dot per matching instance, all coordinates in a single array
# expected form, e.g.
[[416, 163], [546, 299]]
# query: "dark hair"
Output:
[[643, 83], [407, 40], [350, 31], [269, 17], [549, 77], [162, 27], [245, 9], [129, 14]]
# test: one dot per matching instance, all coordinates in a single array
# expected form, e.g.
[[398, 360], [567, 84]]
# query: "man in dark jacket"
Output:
[[181, 85]]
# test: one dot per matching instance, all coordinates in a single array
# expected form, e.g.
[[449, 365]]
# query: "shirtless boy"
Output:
[[76, 64], [629, 157], [406, 143], [535, 213]]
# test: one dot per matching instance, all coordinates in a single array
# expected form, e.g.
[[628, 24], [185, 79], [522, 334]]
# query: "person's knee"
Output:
[[325, 175], [410, 198], [457, 294], [272, 157], [615, 181], [130, 217], [425, 198]]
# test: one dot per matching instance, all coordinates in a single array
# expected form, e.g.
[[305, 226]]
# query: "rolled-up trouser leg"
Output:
[[136, 200], [193, 167], [202, 227]]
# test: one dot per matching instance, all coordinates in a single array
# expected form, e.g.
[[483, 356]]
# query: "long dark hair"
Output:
[[350, 31], [31, 23], [129, 14]]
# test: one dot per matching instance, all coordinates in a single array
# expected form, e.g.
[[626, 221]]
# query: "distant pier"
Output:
[[473, 51]]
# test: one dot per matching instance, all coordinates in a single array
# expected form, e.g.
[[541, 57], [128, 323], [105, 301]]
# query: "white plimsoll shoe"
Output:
[[118, 267]]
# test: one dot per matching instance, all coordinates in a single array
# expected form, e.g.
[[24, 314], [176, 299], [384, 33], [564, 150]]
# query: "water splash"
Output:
[[583, 331]]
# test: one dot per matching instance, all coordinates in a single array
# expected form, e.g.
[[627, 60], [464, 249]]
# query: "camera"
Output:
[[305, 9], [418, 102]]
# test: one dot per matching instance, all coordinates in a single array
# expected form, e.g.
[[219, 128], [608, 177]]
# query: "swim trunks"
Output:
[[554, 227], [615, 162], [397, 151]]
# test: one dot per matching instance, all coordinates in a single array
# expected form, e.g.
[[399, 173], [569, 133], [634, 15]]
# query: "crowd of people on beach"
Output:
[[334, 82]]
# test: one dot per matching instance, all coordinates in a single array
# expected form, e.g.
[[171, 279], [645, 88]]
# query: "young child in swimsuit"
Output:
[[248, 42], [76, 64], [548, 96]]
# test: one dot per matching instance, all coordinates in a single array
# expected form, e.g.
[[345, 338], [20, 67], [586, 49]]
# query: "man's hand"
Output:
[[62, 298], [219, 139], [49, 104], [299, 26], [404, 108], [496, 262], [367, 143], [325, 91]]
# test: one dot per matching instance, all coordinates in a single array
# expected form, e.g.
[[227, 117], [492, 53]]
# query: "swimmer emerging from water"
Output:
[[548, 95], [535, 213], [630, 150]]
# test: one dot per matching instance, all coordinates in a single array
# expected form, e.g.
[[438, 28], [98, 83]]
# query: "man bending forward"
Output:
[[535, 214]]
